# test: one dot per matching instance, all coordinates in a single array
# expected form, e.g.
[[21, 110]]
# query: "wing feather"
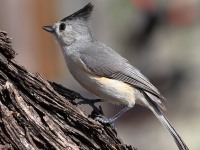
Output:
[[103, 61]]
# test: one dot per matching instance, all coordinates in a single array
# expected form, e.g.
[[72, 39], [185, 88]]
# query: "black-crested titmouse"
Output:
[[104, 72]]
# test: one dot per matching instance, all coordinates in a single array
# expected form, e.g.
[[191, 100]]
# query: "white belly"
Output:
[[111, 90]]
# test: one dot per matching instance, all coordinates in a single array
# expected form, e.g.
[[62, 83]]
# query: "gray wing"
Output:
[[103, 61]]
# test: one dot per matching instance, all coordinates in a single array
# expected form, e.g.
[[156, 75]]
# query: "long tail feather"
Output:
[[164, 121]]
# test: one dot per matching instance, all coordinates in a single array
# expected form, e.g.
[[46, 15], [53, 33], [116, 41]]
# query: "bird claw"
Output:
[[105, 120]]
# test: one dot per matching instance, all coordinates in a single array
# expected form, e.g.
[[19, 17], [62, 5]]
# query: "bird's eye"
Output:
[[62, 27]]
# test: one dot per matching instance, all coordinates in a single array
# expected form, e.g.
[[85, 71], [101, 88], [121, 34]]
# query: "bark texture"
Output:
[[37, 114]]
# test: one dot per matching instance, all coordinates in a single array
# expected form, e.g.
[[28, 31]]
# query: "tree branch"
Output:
[[37, 114]]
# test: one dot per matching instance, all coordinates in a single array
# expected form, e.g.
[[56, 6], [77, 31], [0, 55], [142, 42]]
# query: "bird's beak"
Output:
[[48, 29]]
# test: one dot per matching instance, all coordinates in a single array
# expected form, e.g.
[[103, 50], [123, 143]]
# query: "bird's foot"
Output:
[[106, 120]]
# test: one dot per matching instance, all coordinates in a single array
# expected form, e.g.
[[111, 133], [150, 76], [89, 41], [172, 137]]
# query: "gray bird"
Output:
[[105, 73]]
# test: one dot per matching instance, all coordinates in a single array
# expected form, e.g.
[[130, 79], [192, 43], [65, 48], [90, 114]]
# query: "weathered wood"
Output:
[[37, 114]]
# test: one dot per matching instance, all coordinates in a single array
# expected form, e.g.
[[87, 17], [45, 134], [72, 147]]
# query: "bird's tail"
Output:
[[158, 113]]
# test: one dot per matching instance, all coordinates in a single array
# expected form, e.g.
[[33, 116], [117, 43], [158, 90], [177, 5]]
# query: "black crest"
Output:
[[84, 13]]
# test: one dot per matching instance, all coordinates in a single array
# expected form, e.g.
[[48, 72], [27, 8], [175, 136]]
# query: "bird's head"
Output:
[[74, 27]]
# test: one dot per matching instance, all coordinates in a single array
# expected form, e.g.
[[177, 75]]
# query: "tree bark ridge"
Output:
[[37, 114]]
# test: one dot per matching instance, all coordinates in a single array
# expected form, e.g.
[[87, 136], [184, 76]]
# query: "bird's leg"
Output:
[[112, 119]]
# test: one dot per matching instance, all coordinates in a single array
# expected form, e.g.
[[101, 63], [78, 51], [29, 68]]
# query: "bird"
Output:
[[104, 72]]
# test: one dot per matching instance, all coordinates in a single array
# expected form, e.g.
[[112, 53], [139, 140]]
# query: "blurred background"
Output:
[[160, 37]]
